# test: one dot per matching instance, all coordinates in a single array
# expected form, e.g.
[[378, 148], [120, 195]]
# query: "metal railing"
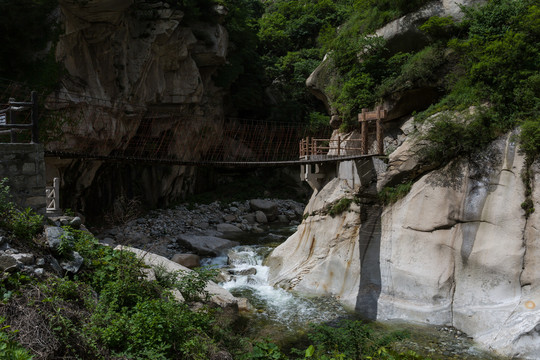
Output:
[[8, 118]]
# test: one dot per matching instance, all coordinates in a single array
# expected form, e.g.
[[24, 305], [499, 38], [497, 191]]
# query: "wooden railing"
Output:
[[313, 146], [8, 118]]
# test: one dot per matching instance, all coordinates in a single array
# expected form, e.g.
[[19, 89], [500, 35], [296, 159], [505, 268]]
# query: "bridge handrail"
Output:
[[18, 106], [313, 146]]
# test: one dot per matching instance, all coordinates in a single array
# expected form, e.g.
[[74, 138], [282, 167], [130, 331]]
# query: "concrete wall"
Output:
[[24, 165]]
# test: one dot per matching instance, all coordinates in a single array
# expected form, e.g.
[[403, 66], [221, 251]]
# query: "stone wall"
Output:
[[24, 165]]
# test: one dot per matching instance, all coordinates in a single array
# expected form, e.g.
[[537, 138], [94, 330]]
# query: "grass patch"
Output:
[[340, 206], [391, 194]]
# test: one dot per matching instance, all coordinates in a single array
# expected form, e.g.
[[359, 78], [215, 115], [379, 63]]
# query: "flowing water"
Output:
[[275, 308], [283, 315]]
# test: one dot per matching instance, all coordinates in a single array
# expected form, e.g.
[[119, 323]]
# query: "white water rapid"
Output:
[[248, 278]]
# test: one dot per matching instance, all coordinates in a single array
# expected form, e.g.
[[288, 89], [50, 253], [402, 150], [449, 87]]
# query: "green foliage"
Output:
[[6, 206], [192, 283], [529, 138], [266, 350], [340, 206], [131, 317], [361, 60], [243, 73], [440, 28], [499, 64], [10, 284], [10, 349], [25, 224], [288, 33], [352, 340], [418, 70], [151, 325], [389, 195], [528, 207], [449, 138], [318, 121]]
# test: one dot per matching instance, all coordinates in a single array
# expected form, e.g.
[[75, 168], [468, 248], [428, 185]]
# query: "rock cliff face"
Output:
[[456, 250], [126, 63]]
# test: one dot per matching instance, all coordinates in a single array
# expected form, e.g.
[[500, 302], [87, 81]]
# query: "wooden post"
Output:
[[378, 132], [364, 132], [339, 145], [313, 147], [35, 117]]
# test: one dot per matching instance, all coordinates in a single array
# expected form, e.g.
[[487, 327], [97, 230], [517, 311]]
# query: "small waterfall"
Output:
[[248, 277]]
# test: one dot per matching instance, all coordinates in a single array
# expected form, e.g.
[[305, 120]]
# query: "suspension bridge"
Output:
[[75, 126]]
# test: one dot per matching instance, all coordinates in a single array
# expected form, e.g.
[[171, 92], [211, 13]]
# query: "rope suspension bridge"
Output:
[[96, 129]]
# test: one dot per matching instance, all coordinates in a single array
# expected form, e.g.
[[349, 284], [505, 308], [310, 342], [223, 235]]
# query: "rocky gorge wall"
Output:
[[456, 250], [128, 66]]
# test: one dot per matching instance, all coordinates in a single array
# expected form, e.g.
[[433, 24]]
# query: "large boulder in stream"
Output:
[[219, 295], [268, 207], [206, 245]]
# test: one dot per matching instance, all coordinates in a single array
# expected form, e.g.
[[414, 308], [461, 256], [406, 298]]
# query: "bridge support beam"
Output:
[[317, 175]]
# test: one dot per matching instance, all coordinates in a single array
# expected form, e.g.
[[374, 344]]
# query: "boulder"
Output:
[[228, 229], [206, 245], [76, 222], [250, 218], [53, 236], [244, 305], [282, 219], [244, 272], [7, 263], [268, 207], [74, 264], [219, 295], [25, 259], [261, 217], [188, 260]]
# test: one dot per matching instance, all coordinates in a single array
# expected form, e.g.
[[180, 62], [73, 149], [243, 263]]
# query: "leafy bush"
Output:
[[24, 224], [352, 340], [440, 28], [530, 138], [422, 68], [10, 349], [266, 350]]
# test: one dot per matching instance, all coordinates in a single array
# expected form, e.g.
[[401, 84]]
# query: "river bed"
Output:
[[284, 316]]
